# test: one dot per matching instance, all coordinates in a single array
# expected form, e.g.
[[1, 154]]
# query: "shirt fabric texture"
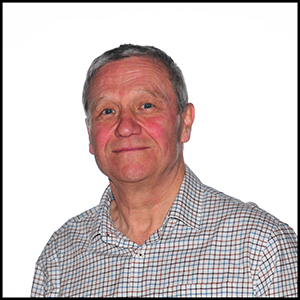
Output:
[[209, 245]]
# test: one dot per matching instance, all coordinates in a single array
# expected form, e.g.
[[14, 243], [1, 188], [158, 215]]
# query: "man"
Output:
[[158, 231]]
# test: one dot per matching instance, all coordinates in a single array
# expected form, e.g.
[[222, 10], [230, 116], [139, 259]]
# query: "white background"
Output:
[[240, 66]]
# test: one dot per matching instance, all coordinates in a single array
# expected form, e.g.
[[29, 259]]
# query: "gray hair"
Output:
[[128, 50]]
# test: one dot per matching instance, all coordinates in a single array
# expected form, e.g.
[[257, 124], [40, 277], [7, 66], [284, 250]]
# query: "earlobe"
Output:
[[91, 148], [188, 119]]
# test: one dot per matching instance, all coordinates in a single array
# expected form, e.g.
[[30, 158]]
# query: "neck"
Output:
[[140, 208]]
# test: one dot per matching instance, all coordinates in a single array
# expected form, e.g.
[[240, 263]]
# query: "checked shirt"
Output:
[[210, 245]]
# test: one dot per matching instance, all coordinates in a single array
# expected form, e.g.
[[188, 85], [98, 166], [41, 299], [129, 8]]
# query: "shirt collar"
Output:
[[186, 207], [100, 226], [188, 202]]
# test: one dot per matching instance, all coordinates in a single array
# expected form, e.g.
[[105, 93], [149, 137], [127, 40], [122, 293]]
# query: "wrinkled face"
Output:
[[135, 131]]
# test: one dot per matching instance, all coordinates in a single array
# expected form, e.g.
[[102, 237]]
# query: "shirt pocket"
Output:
[[222, 289]]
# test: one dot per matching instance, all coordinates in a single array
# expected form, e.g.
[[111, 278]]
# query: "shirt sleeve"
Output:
[[39, 283], [46, 281], [277, 274]]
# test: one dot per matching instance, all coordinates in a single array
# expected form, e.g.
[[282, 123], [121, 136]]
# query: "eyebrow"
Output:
[[155, 93]]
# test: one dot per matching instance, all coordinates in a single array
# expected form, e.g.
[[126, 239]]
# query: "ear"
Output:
[[89, 133], [188, 117]]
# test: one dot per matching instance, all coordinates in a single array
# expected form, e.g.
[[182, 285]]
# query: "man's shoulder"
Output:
[[79, 225], [223, 205], [81, 221], [220, 209], [74, 235], [82, 224]]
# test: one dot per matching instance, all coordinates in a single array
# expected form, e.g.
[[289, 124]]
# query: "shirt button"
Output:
[[140, 253]]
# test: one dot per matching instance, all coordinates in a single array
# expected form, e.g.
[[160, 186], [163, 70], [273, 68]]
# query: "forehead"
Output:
[[130, 71]]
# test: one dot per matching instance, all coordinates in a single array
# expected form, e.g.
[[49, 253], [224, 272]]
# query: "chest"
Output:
[[187, 266]]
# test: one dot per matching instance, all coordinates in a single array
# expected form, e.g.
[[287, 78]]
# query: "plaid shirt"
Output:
[[210, 245]]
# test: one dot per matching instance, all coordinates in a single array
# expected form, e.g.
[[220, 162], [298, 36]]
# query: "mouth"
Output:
[[128, 149]]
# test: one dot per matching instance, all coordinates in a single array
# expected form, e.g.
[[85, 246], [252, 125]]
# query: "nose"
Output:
[[128, 126]]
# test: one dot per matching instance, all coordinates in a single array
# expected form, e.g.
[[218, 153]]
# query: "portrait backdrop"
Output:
[[240, 66]]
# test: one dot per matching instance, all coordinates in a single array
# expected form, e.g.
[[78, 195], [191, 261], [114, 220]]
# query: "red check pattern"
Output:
[[210, 245]]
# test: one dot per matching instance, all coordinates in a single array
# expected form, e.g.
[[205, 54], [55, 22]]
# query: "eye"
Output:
[[108, 111], [147, 105]]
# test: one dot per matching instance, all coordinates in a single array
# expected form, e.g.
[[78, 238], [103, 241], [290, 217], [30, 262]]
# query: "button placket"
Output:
[[137, 270]]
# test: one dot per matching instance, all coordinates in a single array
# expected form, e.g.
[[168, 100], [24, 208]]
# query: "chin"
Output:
[[132, 173], [132, 176]]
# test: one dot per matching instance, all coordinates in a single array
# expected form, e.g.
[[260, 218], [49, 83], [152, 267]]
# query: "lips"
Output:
[[128, 149]]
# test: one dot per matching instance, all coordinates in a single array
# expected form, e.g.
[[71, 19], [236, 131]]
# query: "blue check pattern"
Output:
[[210, 245]]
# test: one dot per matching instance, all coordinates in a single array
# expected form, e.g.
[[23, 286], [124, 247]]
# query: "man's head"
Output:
[[128, 50], [136, 128]]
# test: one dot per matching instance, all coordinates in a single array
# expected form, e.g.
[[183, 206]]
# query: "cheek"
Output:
[[165, 131], [101, 134]]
